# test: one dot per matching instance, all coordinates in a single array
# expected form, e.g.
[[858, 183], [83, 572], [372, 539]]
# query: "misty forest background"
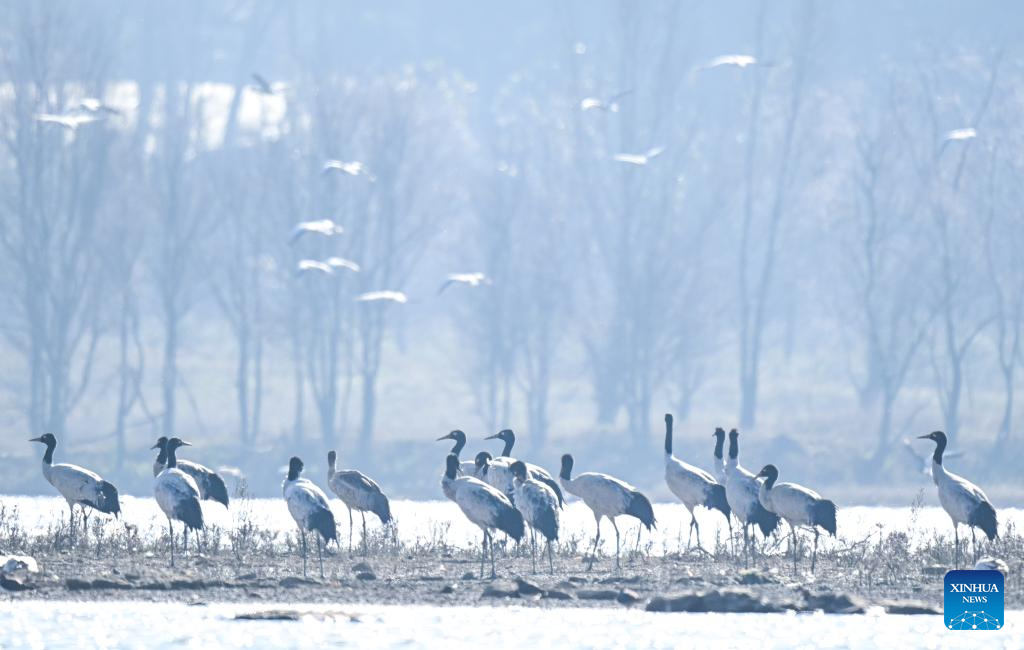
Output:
[[809, 259]]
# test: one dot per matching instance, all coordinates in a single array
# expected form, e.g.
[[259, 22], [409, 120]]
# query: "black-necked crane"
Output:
[[539, 506], [799, 506], [211, 485], [358, 492], [718, 467], [307, 504], [466, 467], [79, 486], [692, 485], [742, 490], [536, 472], [963, 501], [484, 505], [177, 495], [496, 472], [606, 496]]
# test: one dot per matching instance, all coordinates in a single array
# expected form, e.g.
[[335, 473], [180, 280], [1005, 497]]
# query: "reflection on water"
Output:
[[145, 625], [424, 520]]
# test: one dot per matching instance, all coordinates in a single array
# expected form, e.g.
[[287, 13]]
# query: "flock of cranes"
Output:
[[506, 494]]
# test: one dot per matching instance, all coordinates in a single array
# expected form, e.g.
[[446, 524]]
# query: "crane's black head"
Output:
[[668, 434], [294, 468], [719, 433], [332, 457], [47, 439], [460, 440], [505, 435], [940, 444], [482, 459], [566, 472], [519, 470], [734, 434], [769, 473], [50, 441], [161, 442], [719, 436], [451, 468], [734, 443], [174, 443]]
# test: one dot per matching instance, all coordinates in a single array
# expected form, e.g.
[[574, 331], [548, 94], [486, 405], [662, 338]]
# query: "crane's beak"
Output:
[[927, 436], [185, 443], [497, 435], [39, 439], [156, 446], [446, 436]]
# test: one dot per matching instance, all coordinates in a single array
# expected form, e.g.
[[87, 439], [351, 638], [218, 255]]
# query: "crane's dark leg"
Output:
[[184, 546], [689, 538], [170, 535], [366, 548], [597, 540], [350, 531], [85, 524], [483, 555], [303, 533], [71, 525], [696, 526], [792, 528], [551, 559], [956, 543], [616, 527], [533, 548], [746, 546], [974, 544], [494, 574], [639, 529], [814, 553], [319, 555]]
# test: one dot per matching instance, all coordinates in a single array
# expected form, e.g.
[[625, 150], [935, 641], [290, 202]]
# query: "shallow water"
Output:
[[34, 624], [425, 521]]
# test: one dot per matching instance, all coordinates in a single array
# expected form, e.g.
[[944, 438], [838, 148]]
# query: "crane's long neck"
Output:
[[719, 443], [161, 458], [734, 451], [940, 448], [668, 437], [48, 456], [172, 458], [460, 442], [507, 451], [293, 473]]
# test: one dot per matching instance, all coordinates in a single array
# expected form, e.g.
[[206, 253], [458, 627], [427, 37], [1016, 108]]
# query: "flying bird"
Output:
[[261, 85], [737, 60], [610, 104], [375, 296], [639, 159], [352, 168], [342, 263], [70, 121], [305, 266], [324, 227], [961, 134], [468, 279], [96, 106]]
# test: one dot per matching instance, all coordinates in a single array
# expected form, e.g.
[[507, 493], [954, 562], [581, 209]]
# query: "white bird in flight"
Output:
[[611, 104], [94, 106], [352, 168], [324, 227], [738, 60], [469, 279], [70, 121], [342, 263], [962, 134], [375, 296], [314, 265], [640, 159], [261, 85]]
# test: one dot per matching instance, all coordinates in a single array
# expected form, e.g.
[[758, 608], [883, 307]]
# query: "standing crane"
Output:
[[539, 506], [798, 505], [79, 486], [177, 495], [358, 492], [607, 496], [484, 506], [741, 489], [718, 467], [211, 485], [963, 501], [536, 472], [692, 485], [307, 504]]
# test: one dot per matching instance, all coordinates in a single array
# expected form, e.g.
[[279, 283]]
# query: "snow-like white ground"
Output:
[[424, 521]]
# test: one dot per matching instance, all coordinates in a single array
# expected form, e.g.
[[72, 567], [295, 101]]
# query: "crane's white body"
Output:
[[171, 488], [742, 490], [200, 474], [534, 500], [958, 496], [76, 484], [479, 501], [355, 489], [499, 475], [792, 502], [605, 495], [690, 484], [304, 499]]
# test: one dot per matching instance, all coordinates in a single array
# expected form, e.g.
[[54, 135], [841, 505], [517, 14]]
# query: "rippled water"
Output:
[[141, 625], [426, 520]]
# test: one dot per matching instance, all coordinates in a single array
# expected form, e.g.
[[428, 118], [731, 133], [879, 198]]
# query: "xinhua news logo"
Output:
[[973, 600]]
